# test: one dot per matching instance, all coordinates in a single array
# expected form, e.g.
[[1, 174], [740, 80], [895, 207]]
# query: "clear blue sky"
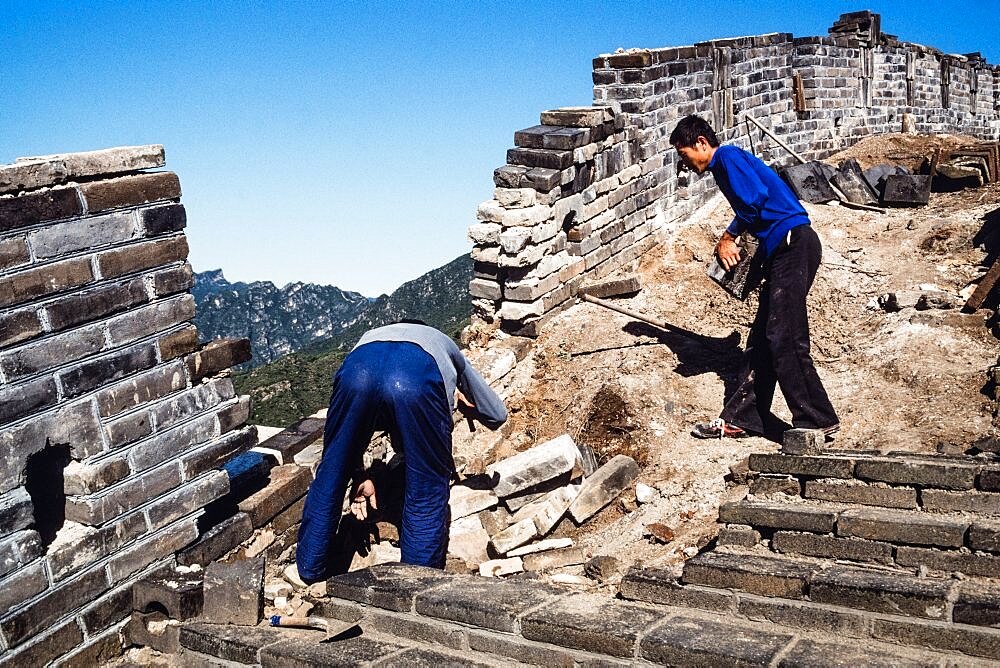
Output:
[[348, 143]]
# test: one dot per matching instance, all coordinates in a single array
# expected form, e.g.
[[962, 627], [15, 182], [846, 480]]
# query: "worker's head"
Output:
[[695, 141]]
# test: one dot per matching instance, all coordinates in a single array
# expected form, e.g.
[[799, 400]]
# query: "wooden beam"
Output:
[[984, 288]]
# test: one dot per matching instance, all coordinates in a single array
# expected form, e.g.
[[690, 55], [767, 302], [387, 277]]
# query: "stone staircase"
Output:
[[839, 559]]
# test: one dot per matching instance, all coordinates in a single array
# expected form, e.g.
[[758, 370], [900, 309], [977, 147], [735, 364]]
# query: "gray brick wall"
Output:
[[98, 356], [587, 190]]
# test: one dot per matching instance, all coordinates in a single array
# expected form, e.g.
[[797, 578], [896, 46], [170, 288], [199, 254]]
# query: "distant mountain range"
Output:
[[318, 325], [278, 321]]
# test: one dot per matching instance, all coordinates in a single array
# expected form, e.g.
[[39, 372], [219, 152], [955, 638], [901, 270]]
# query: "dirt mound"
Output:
[[909, 150]]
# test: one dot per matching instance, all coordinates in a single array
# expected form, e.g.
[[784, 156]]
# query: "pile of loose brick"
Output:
[[113, 419], [590, 189], [837, 558]]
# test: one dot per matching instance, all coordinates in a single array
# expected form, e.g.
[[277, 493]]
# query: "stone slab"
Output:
[[899, 471], [880, 591], [855, 491], [809, 653], [906, 190], [590, 622], [354, 651], [817, 466], [655, 585], [181, 594], [465, 501], [804, 615], [902, 526], [544, 561], [534, 466], [388, 586], [608, 482], [775, 515], [37, 172], [767, 576], [981, 503], [485, 603], [950, 561], [234, 592], [830, 547], [692, 641]]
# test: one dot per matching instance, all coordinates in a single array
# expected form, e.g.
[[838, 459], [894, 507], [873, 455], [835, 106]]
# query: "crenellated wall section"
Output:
[[590, 189]]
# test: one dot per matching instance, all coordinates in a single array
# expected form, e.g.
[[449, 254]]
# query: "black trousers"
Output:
[[777, 350]]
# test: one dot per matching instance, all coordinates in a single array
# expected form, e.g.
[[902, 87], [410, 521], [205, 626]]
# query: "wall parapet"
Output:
[[576, 203], [113, 420]]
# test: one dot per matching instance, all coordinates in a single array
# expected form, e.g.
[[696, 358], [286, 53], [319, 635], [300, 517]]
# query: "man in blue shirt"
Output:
[[777, 350], [407, 379]]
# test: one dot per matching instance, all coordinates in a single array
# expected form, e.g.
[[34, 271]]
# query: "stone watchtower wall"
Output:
[[112, 421], [590, 189]]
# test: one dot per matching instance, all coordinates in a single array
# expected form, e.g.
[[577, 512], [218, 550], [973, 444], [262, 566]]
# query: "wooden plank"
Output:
[[984, 288]]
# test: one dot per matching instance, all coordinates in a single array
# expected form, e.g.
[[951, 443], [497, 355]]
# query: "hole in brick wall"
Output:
[[569, 222], [45, 486]]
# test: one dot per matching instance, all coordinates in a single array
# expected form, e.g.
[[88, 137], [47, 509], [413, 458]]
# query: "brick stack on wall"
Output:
[[592, 188], [112, 420]]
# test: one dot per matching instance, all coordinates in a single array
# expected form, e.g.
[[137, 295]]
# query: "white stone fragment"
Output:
[[291, 573], [385, 553], [644, 493], [276, 589], [497, 567], [515, 239], [567, 579], [484, 233], [489, 211], [547, 511], [541, 546], [310, 456], [515, 535], [465, 501], [515, 197], [467, 540], [535, 465], [604, 487]]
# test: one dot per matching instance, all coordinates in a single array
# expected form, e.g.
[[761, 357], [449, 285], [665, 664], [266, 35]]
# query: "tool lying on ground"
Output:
[[332, 628], [662, 324]]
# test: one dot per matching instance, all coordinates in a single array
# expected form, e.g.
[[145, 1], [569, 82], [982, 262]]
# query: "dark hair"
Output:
[[689, 129]]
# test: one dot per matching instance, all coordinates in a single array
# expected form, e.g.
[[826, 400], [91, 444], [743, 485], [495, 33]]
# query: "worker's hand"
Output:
[[727, 251], [364, 495], [462, 401]]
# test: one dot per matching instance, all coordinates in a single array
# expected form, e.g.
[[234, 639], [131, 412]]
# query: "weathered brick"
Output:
[[767, 576], [525, 651], [215, 454], [881, 592], [189, 498], [590, 622], [767, 484], [130, 190], [604, 486], [40, 171], [804, 615], [239, 644], [17, 549], [985, 536], [93, 374], [192, 401], [806, 651], [779, 516], [42, 281], [21, 585], [977, 605], [944, 636], [812, 545], [110, 609], [946, 474], [388, 586], [288, 444], [151, 549], [235, 415], [141, 389], [900, 526], [687, 640], [818, 466], [173, 280], [217, 541], [86, 545], [544, 561], [287, 484], [234, 592], [169, 444], [155, 317], [29, 620], [43, 651], [983, 503], [163, 219], [349, 652], [93, 476], [855, 491], [129, 428], [989, 478], [95, 304], [217, 356], [83, 233], [13, 252], [21, 400], [539, 157], [121, 498], [51, 352], [18, 326], [178, 343], [141, 256], [484, 602], [415, 628], [32, 208], [100, 651], [949, 561], [180, 594], [289, 517]]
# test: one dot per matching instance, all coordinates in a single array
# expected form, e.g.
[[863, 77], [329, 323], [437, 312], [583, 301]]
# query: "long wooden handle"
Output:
[[662, 324]]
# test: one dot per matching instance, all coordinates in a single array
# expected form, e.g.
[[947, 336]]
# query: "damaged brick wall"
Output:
[[590, 189], [112, 420]]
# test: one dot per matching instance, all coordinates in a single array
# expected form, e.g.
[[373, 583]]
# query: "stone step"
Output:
[[973, 603], [898, 475], [890, 526]]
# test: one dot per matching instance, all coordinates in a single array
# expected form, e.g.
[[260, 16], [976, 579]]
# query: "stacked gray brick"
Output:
[[857, 82], [98, 355]]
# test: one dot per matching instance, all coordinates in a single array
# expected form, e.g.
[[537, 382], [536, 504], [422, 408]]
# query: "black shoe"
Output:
[[718, 428]]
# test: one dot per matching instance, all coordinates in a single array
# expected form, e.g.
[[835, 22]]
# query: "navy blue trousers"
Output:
[[394, 386], [777, 350]]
